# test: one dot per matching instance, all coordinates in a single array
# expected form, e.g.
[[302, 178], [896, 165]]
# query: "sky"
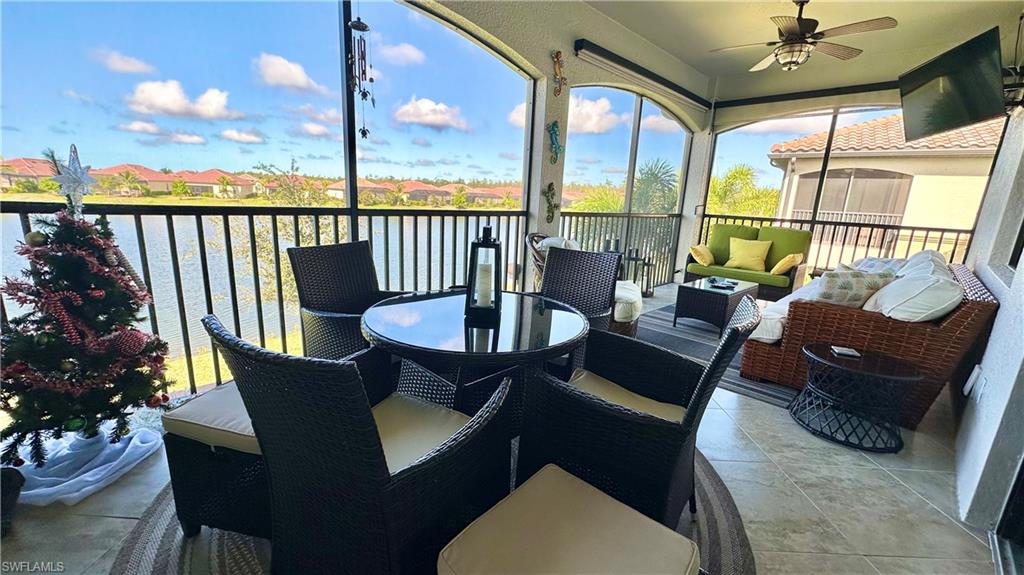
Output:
[[230, 85]]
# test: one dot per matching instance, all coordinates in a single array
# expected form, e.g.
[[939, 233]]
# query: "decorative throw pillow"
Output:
[[787, 263], [851, 288], [878, 265], [747, 254], [702, 255]]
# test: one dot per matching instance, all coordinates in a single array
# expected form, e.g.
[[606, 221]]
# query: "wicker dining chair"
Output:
[[584, 280], [349, 490], [627, 422], [335, 285]]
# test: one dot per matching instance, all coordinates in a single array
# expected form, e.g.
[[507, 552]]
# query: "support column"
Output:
[[698, 174]]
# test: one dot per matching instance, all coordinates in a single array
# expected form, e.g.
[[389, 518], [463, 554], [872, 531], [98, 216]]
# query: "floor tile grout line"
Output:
[[802, 492], [934, 506]]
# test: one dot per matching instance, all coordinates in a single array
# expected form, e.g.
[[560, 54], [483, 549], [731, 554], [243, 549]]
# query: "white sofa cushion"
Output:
[[917, 297], [612, 392], [773, 316], [876, 265], [558, 523], [557, 242], [629, 302], [409, 428]]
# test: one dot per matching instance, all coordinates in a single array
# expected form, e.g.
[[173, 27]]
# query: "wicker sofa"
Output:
[[944, 349]]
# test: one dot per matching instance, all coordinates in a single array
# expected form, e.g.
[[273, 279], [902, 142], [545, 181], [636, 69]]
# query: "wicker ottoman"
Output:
[[629, 305]]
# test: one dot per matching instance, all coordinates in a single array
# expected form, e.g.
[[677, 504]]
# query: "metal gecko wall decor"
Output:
[[549, 198], [560, 79], [556, 147]]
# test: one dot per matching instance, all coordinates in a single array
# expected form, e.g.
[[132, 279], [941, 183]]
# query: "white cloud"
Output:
[[169, 98], [430, 114], [314, 130], [588, 160], [401, 54], [517, 117], [73, 95], [613, 171], [448, 162], [508, 155], [379, 141], [118, 62], [660, 123], [421, 142], [183, 138], [797, 125], [252, 136], [592, 116], [275, 70], [140, 127]]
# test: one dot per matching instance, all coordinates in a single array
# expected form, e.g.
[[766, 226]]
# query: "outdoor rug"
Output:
[[156, 545], [697, 341]]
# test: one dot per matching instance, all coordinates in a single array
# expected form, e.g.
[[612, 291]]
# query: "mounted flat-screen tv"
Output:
[[961, 87]]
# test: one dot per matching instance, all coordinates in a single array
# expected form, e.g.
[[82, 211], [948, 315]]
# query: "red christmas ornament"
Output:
[[153, 401], [129, 341], [19, 462], [164, 398], [18, 367]]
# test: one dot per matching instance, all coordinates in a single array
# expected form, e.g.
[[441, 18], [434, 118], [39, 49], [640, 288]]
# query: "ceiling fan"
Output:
[[798, 38]]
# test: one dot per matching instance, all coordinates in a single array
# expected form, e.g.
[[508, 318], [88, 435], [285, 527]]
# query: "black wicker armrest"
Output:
[[375, 369], [602, 321], [470, 397], [418, 381], [434, 499], [331, 335], [643, 368]]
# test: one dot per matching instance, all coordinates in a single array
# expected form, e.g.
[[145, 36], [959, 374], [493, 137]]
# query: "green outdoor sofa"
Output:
[[785, 241]]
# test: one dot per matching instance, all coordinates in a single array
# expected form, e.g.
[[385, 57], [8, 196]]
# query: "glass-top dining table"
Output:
[[431, 328]]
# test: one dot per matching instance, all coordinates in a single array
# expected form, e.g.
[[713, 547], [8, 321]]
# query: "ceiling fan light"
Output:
[[791, 56]]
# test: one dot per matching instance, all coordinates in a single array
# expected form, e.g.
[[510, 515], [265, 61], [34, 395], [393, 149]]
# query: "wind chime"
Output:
[[361, 81]]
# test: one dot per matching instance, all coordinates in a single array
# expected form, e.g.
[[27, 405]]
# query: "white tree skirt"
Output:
[[76, 467]]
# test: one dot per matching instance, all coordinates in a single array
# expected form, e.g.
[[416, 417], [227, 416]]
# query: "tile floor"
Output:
[[808, 506]]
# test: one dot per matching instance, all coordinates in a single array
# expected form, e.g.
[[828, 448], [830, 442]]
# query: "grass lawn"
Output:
[[202, 365]]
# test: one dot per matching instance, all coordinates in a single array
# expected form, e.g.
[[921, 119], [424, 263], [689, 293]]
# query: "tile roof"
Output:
[[142, 172], [211, 177], [29, 167], [886, 134]]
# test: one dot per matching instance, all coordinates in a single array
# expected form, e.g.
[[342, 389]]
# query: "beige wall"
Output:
[[945, 193]]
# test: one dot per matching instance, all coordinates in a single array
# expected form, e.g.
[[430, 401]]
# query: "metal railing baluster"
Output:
[[179, 291], [208, 296]]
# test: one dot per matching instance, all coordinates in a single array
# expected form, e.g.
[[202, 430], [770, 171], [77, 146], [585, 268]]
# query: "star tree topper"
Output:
[[74, 182]]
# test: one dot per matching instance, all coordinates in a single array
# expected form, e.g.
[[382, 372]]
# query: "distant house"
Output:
[[495, 194], [875, 176], [18, 169], [219, 183], [417, 191], [141, 179]]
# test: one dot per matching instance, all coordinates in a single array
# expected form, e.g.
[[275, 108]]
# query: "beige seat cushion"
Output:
[[557, 523], [614, 393], [409, 428], [217, 417]]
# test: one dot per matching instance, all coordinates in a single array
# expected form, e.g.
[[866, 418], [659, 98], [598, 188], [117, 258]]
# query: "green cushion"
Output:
[[738, 274], [785, 241], [720, 234]]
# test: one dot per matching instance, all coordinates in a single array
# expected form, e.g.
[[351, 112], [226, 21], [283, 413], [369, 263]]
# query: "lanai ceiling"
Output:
[[689, 30]]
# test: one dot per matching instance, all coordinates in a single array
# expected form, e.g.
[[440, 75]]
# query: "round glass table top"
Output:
[[435, 322]]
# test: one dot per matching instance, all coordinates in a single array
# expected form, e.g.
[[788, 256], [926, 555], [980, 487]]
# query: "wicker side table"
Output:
[[854, 401], [699, 300]]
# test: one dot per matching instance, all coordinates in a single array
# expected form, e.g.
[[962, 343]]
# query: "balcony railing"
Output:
[[835, 242], [851, 217], [654, 236], [232, 261]]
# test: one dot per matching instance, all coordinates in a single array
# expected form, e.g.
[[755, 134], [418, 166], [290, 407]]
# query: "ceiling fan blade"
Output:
[[837, 50], [759, 44], [857, 27], [768, 60], [788, 25]]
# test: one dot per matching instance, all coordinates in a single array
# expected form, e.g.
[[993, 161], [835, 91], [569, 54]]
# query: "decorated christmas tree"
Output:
[[75, 360]]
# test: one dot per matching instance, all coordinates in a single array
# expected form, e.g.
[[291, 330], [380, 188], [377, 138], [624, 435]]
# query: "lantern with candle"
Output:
[[483, 292]]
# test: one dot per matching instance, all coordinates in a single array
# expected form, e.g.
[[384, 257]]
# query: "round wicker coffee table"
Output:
[[854, 401]]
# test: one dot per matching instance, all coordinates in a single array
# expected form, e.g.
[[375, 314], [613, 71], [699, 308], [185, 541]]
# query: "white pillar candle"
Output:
[[484, 282]]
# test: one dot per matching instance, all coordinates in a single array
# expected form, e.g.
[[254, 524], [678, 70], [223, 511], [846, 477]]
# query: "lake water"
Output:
[[398, 265]]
